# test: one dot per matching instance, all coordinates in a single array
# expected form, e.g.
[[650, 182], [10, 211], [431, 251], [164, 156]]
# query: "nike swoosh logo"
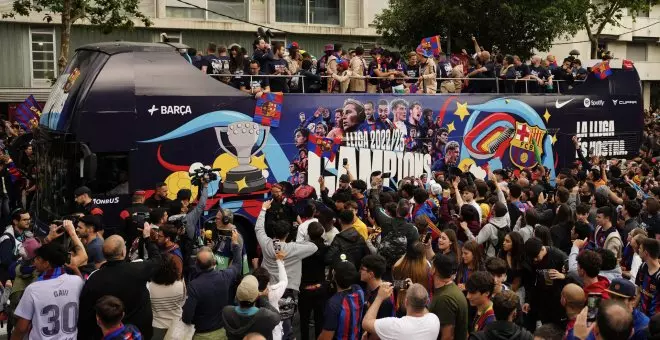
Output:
[[560, 105]]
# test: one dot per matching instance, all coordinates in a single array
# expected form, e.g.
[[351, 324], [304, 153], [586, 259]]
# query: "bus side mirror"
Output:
[[88, 163]]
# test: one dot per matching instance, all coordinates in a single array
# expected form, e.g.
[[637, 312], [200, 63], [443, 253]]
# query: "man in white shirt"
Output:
[[49, 305], [418, 323], [306, 216]]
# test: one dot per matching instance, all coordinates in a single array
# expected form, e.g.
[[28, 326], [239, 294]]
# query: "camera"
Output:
[[400, 284], [179, 220], [198, 171], [138, 218]]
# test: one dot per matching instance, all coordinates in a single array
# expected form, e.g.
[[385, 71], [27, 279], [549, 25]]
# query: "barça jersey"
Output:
[[648, 283]]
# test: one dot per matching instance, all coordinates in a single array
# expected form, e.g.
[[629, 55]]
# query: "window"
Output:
[[185, 12], [308, 11], [42, 52], [233, 8], [637, 52], [324, 12], [171, 37]]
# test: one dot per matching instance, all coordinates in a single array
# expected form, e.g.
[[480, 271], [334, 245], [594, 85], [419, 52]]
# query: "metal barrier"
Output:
[[438, 80]]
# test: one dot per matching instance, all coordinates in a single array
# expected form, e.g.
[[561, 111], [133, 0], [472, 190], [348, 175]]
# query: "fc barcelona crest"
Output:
[[522, 150]]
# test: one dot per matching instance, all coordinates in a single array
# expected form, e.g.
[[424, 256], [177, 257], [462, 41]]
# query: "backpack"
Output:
[[501, 233], [393, 246]]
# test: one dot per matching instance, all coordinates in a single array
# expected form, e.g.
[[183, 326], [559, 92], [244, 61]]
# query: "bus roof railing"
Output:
[[497, 81]]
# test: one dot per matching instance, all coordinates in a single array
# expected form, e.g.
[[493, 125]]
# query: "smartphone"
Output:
[[593, 302], [427, 237], [386, 175], [345, 161], [277, 246], [400, 284]]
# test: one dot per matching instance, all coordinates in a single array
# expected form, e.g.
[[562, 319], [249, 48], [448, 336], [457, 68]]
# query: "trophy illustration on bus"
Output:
[[242, 136]]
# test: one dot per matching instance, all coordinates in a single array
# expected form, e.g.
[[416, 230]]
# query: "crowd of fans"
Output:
[[280, 68]]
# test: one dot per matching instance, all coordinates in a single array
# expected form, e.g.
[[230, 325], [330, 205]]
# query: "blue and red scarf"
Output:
[[52, 273]]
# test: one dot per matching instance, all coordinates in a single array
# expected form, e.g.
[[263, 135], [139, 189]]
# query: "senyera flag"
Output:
[[268, 109], [27, 111], [324, 147], [432, 44]]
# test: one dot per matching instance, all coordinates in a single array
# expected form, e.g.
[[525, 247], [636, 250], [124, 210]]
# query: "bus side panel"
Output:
[[493, 131]]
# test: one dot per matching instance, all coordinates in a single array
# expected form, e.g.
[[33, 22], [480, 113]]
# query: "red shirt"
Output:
[[599, 287]]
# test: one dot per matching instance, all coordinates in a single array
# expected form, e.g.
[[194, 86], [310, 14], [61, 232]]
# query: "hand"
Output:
[[68, 227], [8, 284], [455, 182], [258, 95], [267, 204], [464, 225], [473, 38], [525, 308], [280, 255], [580, 243], [321, 182], [446, 193], [581, 330], [385, 291], [146, 230], [576, 142], [347, 166], [55, 232], [542, 199], [555, 275], [461, 286], [234, 237]]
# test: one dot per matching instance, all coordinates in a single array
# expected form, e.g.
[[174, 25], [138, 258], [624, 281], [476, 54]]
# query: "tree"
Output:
[[593, 16], [107, 14], [514, 26]]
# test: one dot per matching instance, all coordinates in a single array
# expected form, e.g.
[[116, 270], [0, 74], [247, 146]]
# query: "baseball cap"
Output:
[[248, 289], [622, 288], [30, 245], [344, 178], [329, 47], [293, 44], [81, 191]]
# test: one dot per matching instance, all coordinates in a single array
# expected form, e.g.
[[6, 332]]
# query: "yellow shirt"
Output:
[[361, 228]]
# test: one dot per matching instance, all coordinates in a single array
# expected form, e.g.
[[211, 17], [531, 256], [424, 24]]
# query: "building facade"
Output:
[[30, 46], [637, 40]]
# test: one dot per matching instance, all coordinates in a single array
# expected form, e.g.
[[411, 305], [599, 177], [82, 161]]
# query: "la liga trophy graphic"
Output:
[[243, 178]]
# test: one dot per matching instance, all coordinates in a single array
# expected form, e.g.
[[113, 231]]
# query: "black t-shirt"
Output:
[[278, 84], [522, 71], [542, 73], [413, 73], [254, 82], [373, 66], [444, 69], [488, 86], [216, 65]]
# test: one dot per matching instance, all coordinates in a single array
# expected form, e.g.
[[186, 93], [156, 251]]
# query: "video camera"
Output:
[[178, 220], [198, 172], [138, 218]]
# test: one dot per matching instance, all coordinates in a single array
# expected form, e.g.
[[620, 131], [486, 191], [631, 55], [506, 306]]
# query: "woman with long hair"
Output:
[[312, 282], [414, 266], [448, 244], [513, 253], [238, 65], [471, 261], [168, 294], [561, 228]]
